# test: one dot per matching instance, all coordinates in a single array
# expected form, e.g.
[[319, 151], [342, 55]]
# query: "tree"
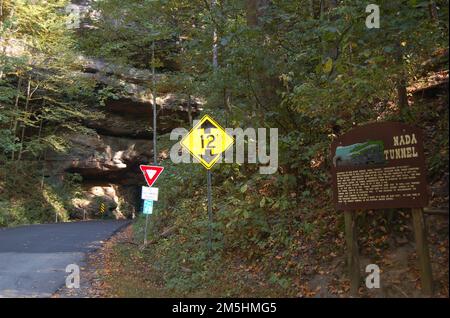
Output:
[[38, 79]]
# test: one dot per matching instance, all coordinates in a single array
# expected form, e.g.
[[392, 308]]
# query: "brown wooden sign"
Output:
[[378, 166]]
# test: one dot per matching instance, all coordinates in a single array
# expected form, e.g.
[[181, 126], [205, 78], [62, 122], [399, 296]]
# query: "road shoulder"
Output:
[[96, 265]]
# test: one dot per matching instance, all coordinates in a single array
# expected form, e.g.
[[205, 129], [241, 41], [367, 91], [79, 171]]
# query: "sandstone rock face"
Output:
[[108, 159], [125, 117], [97, 156], [110, 170]]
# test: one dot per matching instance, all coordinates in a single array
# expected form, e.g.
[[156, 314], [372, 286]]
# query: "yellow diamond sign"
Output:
[[206, 141]]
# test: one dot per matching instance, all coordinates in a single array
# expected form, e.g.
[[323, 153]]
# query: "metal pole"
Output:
[[155, 161], [210, 217], [145, 232], [154, 103]]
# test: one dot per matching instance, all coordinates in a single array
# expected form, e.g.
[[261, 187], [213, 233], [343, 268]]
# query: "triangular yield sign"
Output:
[[151, 173]]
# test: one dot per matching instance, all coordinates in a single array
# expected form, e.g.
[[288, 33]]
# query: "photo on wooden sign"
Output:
[[360, 154]]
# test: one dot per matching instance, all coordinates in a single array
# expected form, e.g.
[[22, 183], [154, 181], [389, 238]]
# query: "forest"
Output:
[[78, 83]]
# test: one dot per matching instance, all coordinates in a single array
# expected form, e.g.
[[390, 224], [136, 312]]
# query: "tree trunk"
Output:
[[41, 124], [4, 44], [15, 120], [254, 9], [265, 91], [189, 110], [402, 94], [334, 51], [24, 124], [251, 8], [215, 60], [433, 11], [311, 9]]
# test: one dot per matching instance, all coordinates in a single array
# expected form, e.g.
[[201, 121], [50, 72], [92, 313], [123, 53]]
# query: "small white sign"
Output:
[[149, 193]]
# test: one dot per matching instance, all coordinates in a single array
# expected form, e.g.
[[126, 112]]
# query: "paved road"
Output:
[[33, 258]]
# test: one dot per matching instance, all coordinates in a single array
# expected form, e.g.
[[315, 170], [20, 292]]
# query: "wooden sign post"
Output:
[[380, 166], [352, 251], [423, 254]]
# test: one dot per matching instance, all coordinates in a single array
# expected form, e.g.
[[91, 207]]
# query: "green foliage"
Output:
[[27, 198], [107, 93], [310, 68], [313, 72], [41, 95], [41, 98]]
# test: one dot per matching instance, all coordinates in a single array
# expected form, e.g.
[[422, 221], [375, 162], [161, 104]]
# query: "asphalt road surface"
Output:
[[33, 259]]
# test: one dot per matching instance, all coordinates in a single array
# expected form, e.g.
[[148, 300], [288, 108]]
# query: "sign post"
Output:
[[206, 142], [149, 194], [145, 229], [423, 253], [352, 247], [155, 155], [147, 210], [210, 219], [379, 166]]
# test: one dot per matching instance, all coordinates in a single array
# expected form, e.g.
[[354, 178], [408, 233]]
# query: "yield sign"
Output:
[[151, 173]]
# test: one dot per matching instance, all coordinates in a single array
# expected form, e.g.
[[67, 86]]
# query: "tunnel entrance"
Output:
[[105, 200]]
